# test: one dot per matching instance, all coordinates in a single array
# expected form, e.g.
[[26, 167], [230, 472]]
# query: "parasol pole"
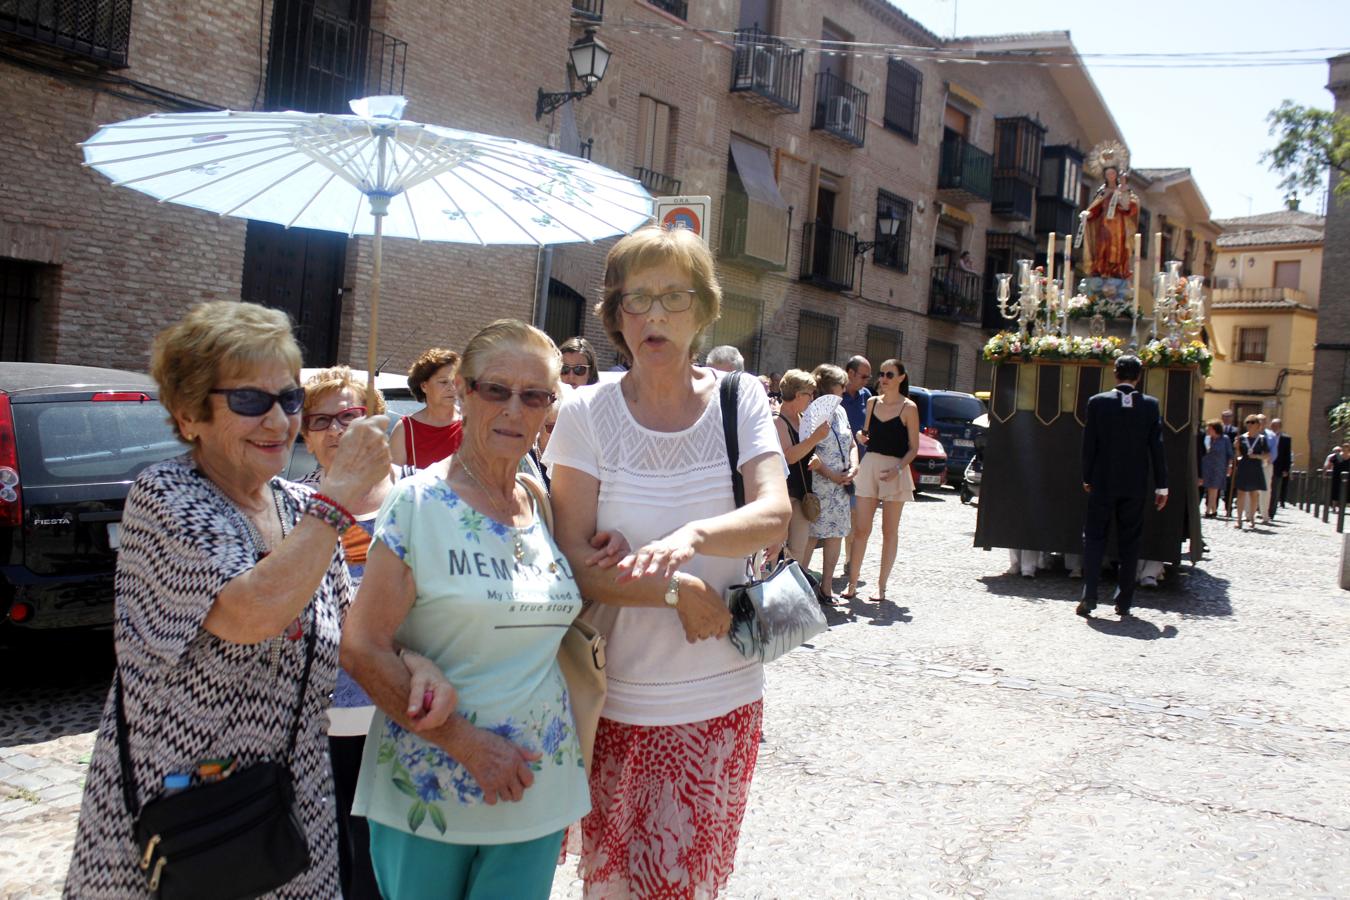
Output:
[[373, 343]]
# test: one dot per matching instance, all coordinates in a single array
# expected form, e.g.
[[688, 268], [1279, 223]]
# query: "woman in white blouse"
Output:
[[642, 462]]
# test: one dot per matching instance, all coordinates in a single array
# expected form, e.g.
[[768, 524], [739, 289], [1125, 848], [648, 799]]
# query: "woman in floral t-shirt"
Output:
[[462, 571]]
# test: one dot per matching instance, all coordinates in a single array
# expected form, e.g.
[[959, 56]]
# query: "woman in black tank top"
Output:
[[891, 433]]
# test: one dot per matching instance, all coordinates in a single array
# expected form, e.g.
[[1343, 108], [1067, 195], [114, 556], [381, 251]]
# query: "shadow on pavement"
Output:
[[55, 684], [1190, 591], [1139, 629]]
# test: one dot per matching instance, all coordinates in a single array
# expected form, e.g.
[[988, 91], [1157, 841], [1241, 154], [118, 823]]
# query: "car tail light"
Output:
[[122, 396], [11, 496], [20, 612], [931, 431]]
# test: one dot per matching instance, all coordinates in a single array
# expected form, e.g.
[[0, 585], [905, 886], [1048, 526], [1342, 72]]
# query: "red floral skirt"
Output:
[[666, 806]]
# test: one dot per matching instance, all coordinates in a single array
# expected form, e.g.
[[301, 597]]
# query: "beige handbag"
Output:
[[581, 655]]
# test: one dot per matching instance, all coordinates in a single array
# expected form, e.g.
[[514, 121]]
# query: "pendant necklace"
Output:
[[517, 547]]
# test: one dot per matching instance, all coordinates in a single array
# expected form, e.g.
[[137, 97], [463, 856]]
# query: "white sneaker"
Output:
[[1148, 581]]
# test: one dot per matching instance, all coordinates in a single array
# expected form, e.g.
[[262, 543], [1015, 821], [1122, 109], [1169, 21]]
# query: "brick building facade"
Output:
[[1331, 358], [804, 146]]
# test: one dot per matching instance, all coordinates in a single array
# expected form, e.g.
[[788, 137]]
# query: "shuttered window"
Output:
[[883, 344], [738, 325], [940, 372], [904, 90], [815, 340]]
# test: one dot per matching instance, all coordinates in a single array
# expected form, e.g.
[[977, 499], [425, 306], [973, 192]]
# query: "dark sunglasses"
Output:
[[581, 369], [253, 402], [534, 398], [890, 374], [322, 421]]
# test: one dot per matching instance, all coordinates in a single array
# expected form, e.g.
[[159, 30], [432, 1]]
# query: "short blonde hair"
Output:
[[828, 377], [512, 334], [647, 248], [337, 378], [215, 341], [794, 382], [428, 364]]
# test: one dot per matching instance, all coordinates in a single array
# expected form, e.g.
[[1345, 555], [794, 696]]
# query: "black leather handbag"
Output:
[[231, 839]]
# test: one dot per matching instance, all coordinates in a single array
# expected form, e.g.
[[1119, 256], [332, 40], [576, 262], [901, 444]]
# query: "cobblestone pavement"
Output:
[[974, 738]]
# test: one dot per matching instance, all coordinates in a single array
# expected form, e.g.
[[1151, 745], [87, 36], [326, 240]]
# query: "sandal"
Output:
[[849, 595]]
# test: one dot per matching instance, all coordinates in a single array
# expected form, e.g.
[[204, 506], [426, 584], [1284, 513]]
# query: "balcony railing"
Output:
[[657, 183], [954, 293], [677, 8], [1053, 214], [827, 256], [966, 172], [1257, 295], [320, 60], [95, 29], [588, 10], [1013, 198], [768, 69], [841, 109]]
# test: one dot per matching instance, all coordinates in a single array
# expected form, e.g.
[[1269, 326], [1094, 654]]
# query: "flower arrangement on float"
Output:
[[1011, 346], [1163, 352]]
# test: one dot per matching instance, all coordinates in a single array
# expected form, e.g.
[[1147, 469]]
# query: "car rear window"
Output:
[[921, 401], [83, 442], [956, 409]]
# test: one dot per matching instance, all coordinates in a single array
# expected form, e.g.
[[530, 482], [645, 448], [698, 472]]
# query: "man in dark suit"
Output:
[[1122, 441], [1283, 462], [1230, 433]]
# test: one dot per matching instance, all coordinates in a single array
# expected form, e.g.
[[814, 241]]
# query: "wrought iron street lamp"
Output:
[[589, 59], [889, 224]]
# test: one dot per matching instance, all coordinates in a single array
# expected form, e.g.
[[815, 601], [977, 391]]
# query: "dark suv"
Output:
[[72, 440], [947, 416]]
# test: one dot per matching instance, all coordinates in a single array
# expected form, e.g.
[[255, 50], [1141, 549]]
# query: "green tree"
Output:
[[1311, 141]]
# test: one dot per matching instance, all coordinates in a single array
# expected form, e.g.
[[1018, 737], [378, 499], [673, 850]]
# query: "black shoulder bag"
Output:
[[231, 839], [769, 616]]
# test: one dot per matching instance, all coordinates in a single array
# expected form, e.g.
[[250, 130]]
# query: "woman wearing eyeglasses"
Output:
[[891, 434], [462, 571], [645, 457], [334, 401], [578, 362], [228, 580], [434, 431]]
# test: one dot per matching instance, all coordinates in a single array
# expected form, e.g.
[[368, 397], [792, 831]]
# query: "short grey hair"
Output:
[[726, 355]]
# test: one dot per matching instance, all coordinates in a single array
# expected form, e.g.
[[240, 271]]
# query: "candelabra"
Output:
[[1178, 304], [1028, 303]]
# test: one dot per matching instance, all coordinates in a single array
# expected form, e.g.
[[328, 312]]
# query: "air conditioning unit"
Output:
[[762, 67], [839, 115]]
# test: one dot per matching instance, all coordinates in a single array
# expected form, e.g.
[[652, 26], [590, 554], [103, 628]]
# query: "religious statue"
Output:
[[1108, 225]]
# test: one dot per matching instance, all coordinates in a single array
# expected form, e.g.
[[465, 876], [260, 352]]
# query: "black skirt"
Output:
[[1250, 475]]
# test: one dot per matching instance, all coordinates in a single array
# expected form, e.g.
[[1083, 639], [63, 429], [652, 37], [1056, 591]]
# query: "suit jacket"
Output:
[[1284, 453], [1122, 443]]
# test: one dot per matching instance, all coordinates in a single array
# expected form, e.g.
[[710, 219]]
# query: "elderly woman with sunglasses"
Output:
[[230, 592], [645, 458], [334, 401], [461, 570]]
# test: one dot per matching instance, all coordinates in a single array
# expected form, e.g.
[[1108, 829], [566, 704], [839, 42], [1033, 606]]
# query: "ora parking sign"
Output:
[[685, 212]]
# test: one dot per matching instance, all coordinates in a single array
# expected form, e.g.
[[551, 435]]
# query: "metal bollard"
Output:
[[1340, 501], [1326, 502]]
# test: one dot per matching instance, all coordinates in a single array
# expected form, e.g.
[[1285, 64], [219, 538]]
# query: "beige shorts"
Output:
[[869, 483]]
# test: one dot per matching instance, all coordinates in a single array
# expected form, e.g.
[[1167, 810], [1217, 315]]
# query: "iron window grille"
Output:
[[658, 183], [677, 8], [588, 10], [883, 344], [766, 67], [99, 30], [892, 251], [816, 339], [739, 326], [320, 60], [940, 366], [827, 256], [841, 109]]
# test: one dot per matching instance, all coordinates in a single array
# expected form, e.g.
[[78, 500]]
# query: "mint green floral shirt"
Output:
[[492, 619]]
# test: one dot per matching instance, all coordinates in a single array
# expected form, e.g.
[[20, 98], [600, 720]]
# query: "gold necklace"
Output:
[[518, 548]]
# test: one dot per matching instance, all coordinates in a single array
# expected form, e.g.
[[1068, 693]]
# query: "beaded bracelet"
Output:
[[330, 512]]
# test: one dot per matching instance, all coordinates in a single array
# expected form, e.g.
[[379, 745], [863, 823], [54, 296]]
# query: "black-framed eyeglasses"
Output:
[[323, 421], [255, 402], [581, 369], [673, 301], [534, 398]]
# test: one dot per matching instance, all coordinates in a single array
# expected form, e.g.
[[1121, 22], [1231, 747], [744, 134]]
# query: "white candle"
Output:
[[1068, 264], [1050, 257], [1138, 244], [1157, 252]]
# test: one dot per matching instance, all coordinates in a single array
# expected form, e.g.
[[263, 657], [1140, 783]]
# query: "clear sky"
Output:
[[1212, 120]]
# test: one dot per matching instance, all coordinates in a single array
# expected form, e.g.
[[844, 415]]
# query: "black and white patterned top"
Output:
[[190, 695]]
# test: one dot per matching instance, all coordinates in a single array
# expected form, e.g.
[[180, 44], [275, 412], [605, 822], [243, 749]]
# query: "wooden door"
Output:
[[298, 271]]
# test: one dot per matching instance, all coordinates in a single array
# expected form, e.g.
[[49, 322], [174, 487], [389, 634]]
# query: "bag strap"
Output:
[[124, 742], [801, 462], [730, 388], [542, 507]]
